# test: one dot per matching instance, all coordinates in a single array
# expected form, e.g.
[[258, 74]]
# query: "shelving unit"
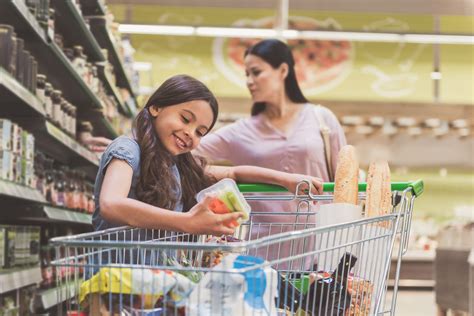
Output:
[[22, 205], [51, 297], [70, 21], [93, 7], [105, 39], [13, 279], [53, 63]]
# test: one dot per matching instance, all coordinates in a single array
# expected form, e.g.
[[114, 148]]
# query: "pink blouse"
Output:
[[254, 141]]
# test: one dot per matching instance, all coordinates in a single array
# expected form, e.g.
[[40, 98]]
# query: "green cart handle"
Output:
[[416, 186]]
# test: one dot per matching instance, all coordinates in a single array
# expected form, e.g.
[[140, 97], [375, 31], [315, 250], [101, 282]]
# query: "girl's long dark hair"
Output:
[[156, 184], [275, 53]]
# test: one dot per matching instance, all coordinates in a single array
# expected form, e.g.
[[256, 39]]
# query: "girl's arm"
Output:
[[116, 207], [253, 174]]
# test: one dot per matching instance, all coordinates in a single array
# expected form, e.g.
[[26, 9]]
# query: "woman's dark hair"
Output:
[[156, 184], [275, 53]]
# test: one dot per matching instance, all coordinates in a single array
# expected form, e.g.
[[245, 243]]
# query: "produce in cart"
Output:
[[226, 199]]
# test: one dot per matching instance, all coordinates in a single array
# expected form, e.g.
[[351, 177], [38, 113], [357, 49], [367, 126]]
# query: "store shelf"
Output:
[[52, 297], [112, 90], [93, 7], [16, 99], [18, 191], [52, 62], [65, 215], [15, 12], [69, 21], [105, 39], [13, 279]]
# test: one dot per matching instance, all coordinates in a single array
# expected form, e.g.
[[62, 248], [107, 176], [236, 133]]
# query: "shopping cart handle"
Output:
[[416, 186]]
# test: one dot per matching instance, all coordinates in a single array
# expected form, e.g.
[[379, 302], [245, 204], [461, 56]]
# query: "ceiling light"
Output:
[[376, 121], [432, 122], [459, 123], [177, 30], [405, 121], [436, 75]]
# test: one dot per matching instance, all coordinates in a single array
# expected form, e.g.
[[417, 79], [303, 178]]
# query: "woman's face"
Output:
[[263, 81], [180, 127]]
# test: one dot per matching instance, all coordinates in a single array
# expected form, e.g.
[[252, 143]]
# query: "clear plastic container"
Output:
[[228, 199]]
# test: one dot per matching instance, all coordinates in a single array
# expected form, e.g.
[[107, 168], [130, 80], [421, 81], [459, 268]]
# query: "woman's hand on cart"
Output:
[[201, 220], [292, 183]]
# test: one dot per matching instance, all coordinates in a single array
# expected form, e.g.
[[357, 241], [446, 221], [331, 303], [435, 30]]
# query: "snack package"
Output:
[[149, 284], [361, 296], [222, 292], [212, 258], [227, 199]]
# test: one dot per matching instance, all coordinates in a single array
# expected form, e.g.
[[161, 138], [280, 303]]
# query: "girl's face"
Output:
[[263, 81], [180, 127]]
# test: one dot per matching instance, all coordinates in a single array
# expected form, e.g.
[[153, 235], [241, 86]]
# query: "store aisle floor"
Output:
[[415, 303]]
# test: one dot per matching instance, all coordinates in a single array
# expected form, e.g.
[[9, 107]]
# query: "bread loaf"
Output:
[[379, 193], [347, 173]]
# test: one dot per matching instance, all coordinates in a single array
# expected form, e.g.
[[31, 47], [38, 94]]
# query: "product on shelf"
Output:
[[21, 245]]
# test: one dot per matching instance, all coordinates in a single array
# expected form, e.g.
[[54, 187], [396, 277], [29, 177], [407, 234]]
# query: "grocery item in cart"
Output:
[[379, 194], [346, 179], [222, 292], [212, 258], [226, 199], [330, 295], [146, 286]]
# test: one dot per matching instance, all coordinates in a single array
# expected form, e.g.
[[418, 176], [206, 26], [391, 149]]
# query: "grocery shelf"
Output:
[[93, 7], [16, 99], [13, 279], [51, 297], [16, 13], [112, 89], [65, 215], [69, 20], [18, 191], [52, 61], [105, 39]]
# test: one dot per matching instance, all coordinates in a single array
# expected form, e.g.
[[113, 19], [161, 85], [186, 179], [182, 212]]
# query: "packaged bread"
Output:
[[379, 194], [347, 172]]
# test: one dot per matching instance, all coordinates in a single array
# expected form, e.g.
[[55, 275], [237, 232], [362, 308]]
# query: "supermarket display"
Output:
[[61, 85]]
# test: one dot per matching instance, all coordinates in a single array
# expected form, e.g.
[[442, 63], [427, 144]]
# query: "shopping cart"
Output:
[[282, 271]]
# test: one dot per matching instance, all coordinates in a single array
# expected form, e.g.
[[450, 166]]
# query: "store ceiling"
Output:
[[431, 7]]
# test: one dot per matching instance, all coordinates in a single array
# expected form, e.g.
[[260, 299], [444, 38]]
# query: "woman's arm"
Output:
[[263, 175], [116, 207]]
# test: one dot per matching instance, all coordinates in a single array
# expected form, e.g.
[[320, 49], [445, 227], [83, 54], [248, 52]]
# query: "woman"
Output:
[[283, 132]]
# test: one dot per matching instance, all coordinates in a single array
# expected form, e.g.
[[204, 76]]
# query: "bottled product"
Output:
[[48, 103], [79, 60], [40, 87], [330, 296], [57, 99]]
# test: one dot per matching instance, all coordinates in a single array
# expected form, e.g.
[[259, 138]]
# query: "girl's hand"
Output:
[[203, 221], [291, 181]]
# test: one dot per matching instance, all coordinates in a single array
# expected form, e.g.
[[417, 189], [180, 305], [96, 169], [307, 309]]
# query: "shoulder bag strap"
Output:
[[326, 136]]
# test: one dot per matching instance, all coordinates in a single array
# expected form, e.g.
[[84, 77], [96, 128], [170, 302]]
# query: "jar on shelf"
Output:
[[39, 174], [40, 87], [69, 190], [69, 52], [51, 17], [56, 97], [84, 131], [64, 116], [94, 80], [51, 195], [48, 103], [58, 39], [72, 122], [60, 187], [79, 60]]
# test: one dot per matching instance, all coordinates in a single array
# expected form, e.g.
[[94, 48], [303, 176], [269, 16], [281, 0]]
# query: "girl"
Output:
[[151, 181]]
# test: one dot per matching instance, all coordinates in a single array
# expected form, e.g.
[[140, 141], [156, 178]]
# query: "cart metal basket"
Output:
[[290, 267]]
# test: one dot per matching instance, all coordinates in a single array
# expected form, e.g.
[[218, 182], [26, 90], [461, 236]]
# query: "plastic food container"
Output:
[[227, 199]]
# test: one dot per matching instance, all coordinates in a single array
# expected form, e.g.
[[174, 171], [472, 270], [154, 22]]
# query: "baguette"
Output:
[[346, 178], [379, 193]]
